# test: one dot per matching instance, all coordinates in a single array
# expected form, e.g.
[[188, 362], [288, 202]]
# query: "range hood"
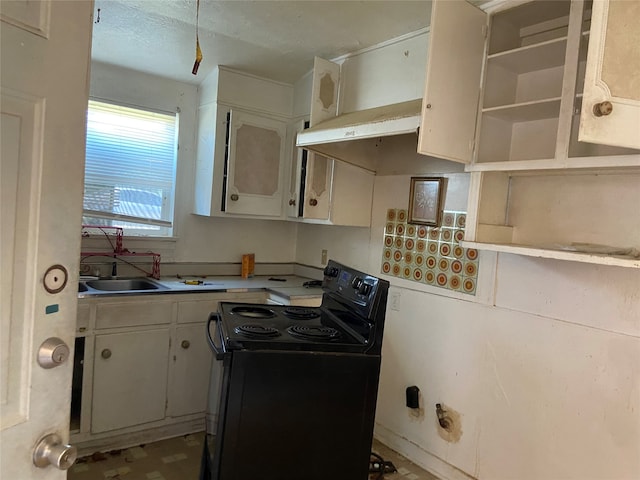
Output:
[[359, 137]]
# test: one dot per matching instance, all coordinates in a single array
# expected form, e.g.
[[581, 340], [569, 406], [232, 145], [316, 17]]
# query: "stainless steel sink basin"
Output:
[[122, 284], [82, 288]]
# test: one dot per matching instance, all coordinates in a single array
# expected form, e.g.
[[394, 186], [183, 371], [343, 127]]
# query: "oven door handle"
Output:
[[219, 351]]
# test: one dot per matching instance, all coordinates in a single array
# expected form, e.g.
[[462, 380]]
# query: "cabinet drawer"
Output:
[[142, 312], [198, 310]]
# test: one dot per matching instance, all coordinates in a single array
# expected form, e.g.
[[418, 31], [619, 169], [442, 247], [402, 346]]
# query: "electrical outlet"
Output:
[[323, 260], [395, 301]]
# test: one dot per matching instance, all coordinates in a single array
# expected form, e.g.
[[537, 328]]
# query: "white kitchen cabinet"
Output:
[[190, 370], [332, 192], [529, 73], [129, 379], [324, 190], [536, 189], [452, 81], [611, 102], [254, 165], [242, 147]]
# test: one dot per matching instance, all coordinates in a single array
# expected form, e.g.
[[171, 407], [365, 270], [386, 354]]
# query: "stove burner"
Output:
[[313, 332], [300, 313], [253, 312], [259, 331]]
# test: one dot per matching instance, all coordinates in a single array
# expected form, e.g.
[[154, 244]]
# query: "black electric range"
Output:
[[299, 385]]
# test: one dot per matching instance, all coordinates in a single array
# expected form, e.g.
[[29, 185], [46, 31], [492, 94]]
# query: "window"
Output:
[[130, 169]]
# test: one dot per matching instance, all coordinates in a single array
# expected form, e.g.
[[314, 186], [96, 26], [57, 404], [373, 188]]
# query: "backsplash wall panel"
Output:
[[430, 255]]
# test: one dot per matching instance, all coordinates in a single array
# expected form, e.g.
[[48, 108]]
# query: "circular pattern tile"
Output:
[[411, 231], [402, 215], [400, 229], [441, 279], [454, 282], [388, 241], [472, 253], [406, 272], [387, 254], [447, 219], [417, 274], [456, 266], [431, 262], [397, 255], [419, 260], [470, 269], [395, 269], [445, 249], [409, 243], [468, 285], [443, 264], [421, 245], [430, 277], [408, 257], [386, 267], [422, 232], [391, 214], [389, 228]]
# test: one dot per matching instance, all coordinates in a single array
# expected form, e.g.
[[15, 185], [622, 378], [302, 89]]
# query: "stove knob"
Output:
[[330, 271], [364, 289], [356, 283]]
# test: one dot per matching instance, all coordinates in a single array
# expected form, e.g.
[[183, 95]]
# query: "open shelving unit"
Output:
[[535, 189]]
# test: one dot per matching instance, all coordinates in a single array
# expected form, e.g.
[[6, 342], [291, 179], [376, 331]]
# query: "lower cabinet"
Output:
[[190, 362], [146, 370], [129, 379]]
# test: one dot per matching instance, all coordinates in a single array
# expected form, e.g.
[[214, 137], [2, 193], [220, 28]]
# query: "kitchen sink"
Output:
[[82, 288], [122, 284]]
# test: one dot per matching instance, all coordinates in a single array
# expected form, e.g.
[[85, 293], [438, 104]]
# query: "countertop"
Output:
[[289, 286]]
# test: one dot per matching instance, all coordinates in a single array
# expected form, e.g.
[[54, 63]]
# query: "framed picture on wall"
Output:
[[426, 200]]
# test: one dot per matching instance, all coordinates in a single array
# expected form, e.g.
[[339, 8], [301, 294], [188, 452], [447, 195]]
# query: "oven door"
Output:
[[291, 415]]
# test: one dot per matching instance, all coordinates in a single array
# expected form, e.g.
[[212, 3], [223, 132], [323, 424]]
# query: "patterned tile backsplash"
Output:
[[430, 255]]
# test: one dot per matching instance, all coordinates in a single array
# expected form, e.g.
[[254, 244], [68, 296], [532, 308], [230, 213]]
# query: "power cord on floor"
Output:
[[379, 465]]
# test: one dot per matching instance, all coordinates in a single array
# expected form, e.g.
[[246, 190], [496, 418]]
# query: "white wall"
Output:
[[542, 366], [198, 239]]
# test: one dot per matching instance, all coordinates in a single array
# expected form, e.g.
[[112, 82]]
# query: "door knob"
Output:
[[602, 109], [52, 352], [106, 353], [51, 451], [313, 202], [185, 344], [234, 197]]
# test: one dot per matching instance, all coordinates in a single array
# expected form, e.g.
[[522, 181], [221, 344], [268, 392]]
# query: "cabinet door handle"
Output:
[[313, 202], [292, 202], [106, 353], [234, 197], [602, 109], [185, 344], [428, 105]]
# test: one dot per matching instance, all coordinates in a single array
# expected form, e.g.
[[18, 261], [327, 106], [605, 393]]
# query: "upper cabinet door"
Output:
[[255, 166], [611, 102], [454, 67], [324, 90]]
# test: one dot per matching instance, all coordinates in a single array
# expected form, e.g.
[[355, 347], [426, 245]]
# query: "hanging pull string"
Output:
[[196, 64]]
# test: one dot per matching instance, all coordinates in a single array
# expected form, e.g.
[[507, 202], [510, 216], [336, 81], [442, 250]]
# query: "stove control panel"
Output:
[[351, 286]]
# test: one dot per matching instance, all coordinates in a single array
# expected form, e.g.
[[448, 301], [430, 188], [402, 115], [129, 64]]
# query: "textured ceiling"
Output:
[[272, 39]]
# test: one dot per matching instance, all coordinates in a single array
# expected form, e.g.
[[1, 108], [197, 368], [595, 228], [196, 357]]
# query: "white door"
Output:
[[45, 55], [611, 103]]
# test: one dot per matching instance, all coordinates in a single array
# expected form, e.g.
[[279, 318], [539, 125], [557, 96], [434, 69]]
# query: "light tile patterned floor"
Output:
[[179, 459]]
